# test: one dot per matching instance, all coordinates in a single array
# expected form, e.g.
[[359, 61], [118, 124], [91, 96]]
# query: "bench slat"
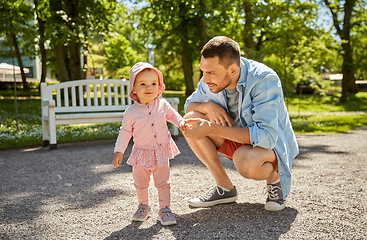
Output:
[[81, 95], [88, 95], [116, 94], [95, 95], [109, 97], [66, 97], [58, 98], [73, 96], [101, 86]]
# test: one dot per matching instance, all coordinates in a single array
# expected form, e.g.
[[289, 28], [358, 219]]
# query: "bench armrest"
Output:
[[49, 103]]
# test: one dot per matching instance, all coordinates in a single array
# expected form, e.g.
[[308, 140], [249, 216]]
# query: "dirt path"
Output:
[[75, 193]]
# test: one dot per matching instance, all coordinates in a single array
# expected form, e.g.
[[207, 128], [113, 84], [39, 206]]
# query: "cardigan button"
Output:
[[155, 136], [152, 124], [150, 113]]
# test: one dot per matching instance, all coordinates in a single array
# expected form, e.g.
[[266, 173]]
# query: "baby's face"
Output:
[[146, 86]]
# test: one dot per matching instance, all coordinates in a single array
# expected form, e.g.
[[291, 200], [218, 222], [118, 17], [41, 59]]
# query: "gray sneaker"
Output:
[[275, 200], [167, 217], [215, 195], [142, 213]]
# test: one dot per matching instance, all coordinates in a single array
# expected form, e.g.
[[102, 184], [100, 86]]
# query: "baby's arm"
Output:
[[117, 159]]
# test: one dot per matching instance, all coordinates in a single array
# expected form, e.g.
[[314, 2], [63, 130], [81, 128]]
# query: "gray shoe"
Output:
[[215, 195], [275, 200], [142, 213], [167, 217]]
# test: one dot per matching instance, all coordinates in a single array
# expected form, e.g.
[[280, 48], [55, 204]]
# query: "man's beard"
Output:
[[226, 78]]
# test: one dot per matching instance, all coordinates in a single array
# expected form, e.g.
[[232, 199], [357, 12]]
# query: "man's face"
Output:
[[215, 75]]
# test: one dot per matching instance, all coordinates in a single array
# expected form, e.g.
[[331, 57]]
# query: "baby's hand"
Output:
[[183, 125], [117, 159]]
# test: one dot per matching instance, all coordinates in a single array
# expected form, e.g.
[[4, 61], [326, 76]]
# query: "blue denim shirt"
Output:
[[262, 110]]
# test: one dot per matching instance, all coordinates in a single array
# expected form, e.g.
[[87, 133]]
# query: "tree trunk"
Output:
[[74, 43], [60, 51], [61, 62], [202, 28], [20, 62], [348, 82], [186, 54], [41, 32], [75, 63], [249, 35]]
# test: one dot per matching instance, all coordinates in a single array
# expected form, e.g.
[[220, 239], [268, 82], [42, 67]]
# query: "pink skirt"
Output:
[[150, 158]]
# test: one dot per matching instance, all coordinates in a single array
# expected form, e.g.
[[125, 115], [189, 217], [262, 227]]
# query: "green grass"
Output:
[[310, 114]]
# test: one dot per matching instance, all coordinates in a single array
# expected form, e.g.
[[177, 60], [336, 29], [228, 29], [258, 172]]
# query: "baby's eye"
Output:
[[154, 84], [142, 84]]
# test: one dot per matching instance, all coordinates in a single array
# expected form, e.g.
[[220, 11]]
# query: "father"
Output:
[[238, 110]]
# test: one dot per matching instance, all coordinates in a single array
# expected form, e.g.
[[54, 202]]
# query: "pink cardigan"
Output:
[[147, 124]]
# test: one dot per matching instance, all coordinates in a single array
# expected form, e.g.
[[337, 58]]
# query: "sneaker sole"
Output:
[[274, 207], [168, 223], [213, 203]]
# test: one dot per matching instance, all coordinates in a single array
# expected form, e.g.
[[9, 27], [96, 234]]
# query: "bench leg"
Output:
[[45, 143], [53, 146]]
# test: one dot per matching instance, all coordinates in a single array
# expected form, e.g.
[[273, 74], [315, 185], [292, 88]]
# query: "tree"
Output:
[[41, 9], [172, 27], [118, 53], [359, 40], [73, 22], [15, 27], [343, 28]]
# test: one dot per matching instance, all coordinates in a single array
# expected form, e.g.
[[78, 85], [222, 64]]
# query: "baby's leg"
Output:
[[141, 178], [163, 185]]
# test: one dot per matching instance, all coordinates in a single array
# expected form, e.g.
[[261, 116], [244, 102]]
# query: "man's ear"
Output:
[[233, 69]]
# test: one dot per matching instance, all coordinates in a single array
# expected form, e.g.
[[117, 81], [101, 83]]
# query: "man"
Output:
[[238, 110]]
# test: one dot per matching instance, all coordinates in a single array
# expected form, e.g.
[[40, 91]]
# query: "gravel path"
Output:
[[75, 193]]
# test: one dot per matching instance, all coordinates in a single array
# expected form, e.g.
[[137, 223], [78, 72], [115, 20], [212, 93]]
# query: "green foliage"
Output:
[[118, 54]]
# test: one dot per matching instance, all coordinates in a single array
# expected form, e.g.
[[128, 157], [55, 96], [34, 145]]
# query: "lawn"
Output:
[[311, 114]]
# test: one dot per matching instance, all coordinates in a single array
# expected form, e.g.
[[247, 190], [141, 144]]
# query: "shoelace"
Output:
[[209, 193], [142, 211], [273, 192], [166, 215]]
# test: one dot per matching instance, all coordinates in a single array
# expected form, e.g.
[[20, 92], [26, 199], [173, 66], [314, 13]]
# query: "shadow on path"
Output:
[[228, 221]]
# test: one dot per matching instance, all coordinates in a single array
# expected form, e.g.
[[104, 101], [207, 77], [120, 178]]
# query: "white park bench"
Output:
[[85, 104]]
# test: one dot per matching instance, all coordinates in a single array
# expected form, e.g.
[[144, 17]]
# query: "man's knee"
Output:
[[245, 162]]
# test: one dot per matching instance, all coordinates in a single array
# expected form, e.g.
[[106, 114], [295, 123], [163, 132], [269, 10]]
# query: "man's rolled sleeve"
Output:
[[266, 96]]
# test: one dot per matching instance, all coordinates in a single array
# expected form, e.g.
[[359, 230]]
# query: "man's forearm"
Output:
[[196, 107], [236, 134]]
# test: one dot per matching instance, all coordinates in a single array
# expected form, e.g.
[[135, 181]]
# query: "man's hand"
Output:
[[117, 159], [215, 113], [199, 128]]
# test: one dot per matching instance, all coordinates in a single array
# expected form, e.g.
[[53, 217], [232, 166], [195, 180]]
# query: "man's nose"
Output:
[[206, 78]]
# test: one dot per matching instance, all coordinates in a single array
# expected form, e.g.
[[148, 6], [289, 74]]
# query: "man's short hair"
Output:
[[225, 48]]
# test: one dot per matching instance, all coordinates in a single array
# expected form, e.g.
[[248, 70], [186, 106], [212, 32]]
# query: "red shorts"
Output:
[[229, 147]]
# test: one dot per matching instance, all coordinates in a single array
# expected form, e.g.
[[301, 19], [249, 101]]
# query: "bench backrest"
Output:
[[89, 95]]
